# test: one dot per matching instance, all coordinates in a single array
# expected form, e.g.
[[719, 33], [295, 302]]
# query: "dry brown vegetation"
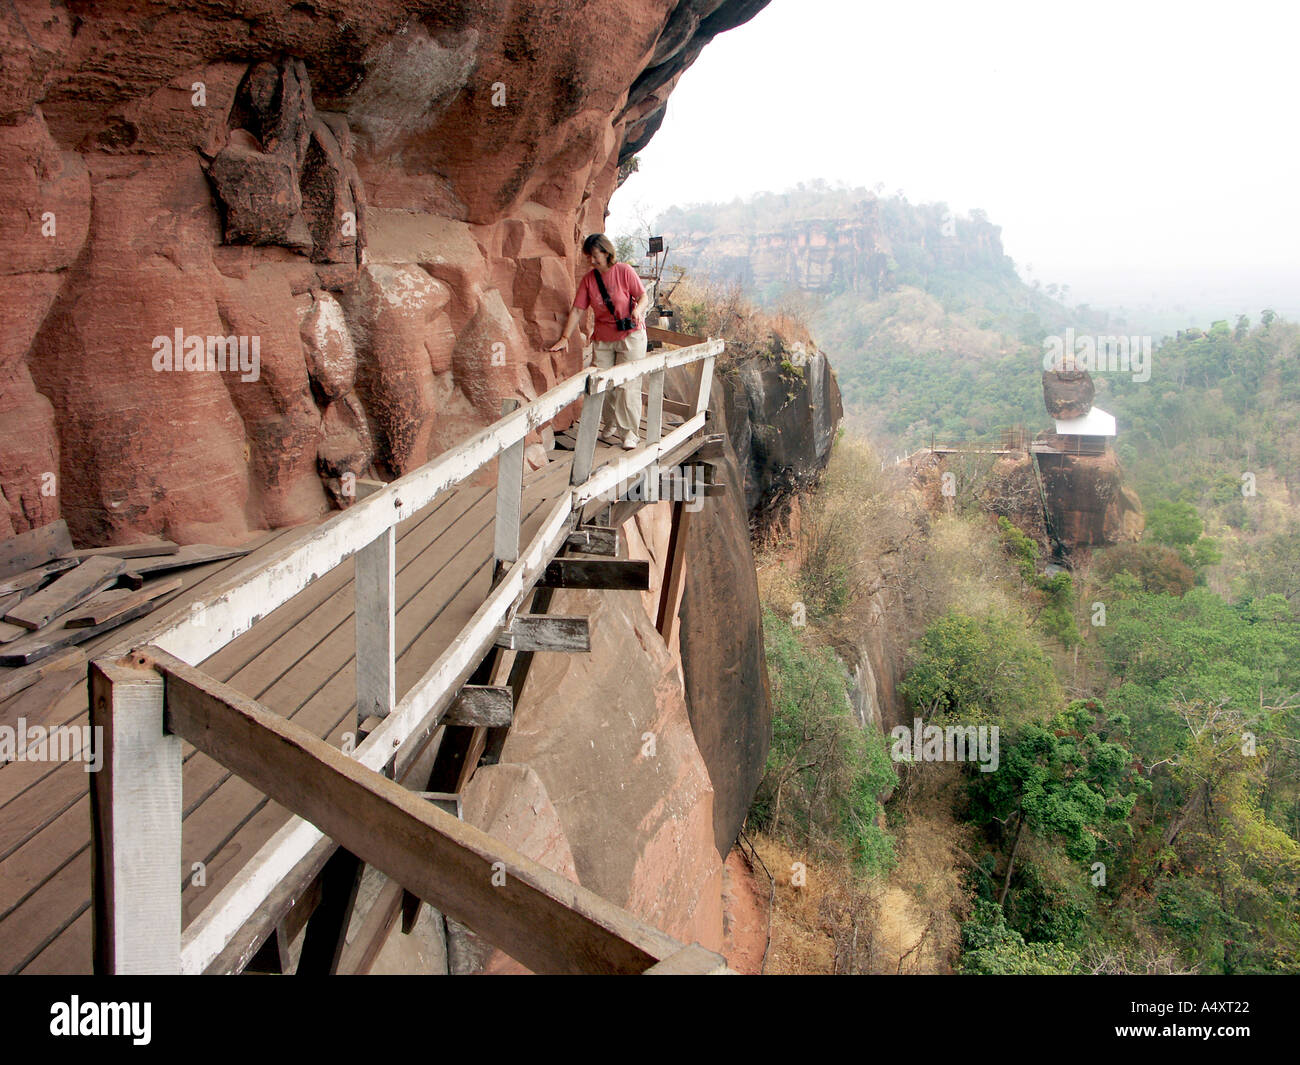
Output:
[[710, 309], [906, 924]]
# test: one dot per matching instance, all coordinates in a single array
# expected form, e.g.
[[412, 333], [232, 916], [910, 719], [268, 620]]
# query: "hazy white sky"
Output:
[[1125, 148]]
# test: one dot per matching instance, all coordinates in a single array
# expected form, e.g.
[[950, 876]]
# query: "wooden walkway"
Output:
[[299, 661]]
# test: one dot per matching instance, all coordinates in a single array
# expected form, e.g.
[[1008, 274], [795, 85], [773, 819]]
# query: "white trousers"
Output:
[[623, 408]]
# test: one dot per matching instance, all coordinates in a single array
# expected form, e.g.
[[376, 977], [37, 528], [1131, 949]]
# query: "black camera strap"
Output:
[[609, 303]]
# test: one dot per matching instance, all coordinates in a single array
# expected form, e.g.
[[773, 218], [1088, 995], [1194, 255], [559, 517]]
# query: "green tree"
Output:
[[991, 947], [1070, 782], [1173, 524], [985, 668]]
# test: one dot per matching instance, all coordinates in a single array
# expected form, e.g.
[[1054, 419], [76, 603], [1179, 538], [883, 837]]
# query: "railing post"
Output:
[[510, 488], [135, 804], [374, 583], [584, 448], [706, 382], [654, 430]]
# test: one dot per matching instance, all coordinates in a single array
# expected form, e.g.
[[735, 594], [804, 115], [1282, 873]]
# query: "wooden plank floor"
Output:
[[298, 661]]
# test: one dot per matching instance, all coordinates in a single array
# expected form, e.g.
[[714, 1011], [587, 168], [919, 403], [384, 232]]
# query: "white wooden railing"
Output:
[[136, 800]]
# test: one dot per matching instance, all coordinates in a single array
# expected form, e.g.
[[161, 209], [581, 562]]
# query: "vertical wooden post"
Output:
[[584, 449], [706, 382], [654, 431], [135, 807], [375, 587], [510, 488]]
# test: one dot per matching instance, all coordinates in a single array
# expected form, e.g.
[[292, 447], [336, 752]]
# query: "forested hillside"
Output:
[[1144, 815]]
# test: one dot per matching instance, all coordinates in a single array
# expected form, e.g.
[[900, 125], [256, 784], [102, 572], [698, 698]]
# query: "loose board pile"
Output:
[[54, 596]]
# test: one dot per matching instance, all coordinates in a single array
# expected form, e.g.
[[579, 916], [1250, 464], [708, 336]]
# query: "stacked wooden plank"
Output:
[[54, 596]]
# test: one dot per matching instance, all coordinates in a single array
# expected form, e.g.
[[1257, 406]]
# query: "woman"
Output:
[[627, 298]]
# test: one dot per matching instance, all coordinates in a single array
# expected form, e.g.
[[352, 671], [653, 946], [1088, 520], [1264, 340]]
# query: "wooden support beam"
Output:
[[326, 934], [694, 960], [510, 487], [678, 409], [495, 739], [457, 758], [546, 632], [669, 336], [448, 803], [376, 627], [77, 585], [712, 446], [359, 955], [481, 704], [655, 409], [284, 912], [534, 914], [706, 382], [615, 574], [654, 432], [594, 540], [670, 597], [135, 809]]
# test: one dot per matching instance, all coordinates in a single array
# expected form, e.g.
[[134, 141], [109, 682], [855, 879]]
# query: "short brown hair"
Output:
[[599, 240]]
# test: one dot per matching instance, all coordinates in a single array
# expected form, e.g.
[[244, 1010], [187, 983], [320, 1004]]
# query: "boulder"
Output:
[[1068, 393]]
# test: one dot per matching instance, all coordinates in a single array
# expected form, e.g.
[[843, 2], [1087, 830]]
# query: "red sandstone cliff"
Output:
[[388, 196]]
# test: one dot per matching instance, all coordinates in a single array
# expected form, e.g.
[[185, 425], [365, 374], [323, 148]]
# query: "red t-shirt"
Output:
[[624, 289]]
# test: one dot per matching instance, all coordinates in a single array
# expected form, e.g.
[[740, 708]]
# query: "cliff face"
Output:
[[827, 240], [369, 215], [1088, 501]]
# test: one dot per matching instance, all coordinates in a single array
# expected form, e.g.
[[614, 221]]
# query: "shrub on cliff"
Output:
[[710, 309], [844, 530]]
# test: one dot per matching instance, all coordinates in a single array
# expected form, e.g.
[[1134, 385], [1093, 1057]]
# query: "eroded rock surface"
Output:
[[240, 170]]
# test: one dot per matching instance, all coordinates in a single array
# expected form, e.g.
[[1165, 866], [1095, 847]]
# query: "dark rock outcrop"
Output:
[[1087, 500], [779, 424], [723, 657], [782, 415]]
